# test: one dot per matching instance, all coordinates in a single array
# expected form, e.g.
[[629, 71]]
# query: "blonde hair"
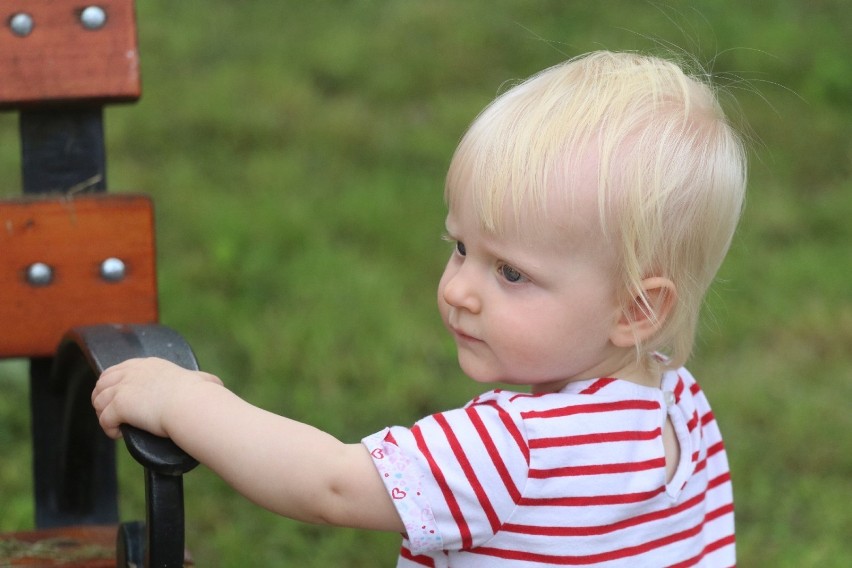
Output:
[[670, 171]]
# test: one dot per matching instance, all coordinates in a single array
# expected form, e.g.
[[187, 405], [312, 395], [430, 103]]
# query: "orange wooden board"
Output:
[[60, 60], [73, 236]]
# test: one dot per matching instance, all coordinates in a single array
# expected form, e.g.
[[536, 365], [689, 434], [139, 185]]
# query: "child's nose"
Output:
[[461, 292]]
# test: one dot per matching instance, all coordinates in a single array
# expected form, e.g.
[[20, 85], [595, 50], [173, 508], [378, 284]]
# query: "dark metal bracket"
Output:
[[83, 355]]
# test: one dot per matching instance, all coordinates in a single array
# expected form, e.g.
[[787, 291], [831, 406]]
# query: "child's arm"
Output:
[[285, 466]]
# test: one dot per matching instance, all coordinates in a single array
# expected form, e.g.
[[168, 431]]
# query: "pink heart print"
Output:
[[378, 454], [398, 493]]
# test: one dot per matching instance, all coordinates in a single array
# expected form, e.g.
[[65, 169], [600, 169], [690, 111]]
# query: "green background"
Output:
[[296, 152]]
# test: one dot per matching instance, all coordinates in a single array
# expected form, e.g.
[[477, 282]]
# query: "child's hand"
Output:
[[141, 392]]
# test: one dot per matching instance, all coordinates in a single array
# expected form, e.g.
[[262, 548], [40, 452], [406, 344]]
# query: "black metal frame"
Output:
[[83, 355], [62, 151]]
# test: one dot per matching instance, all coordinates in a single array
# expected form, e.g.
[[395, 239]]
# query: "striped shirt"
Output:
[[573, 478]]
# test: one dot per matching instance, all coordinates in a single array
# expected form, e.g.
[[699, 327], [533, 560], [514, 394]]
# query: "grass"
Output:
[[296, 152]]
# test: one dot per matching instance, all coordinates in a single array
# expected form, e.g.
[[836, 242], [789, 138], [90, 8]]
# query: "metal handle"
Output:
[[83, 355]]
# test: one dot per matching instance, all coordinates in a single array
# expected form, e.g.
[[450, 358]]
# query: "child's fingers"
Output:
[[118, 372], [105, 397], [109, 427], [105, 410], [109, 378], [137, 391]]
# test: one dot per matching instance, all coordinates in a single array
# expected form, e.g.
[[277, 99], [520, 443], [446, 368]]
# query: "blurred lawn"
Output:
[[296, 152]]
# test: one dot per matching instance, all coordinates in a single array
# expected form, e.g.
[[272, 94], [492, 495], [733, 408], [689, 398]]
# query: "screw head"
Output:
[[93, 17], [39, 274], [113, 269], [21, 24]]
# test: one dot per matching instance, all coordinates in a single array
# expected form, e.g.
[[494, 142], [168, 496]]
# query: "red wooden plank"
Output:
[[61, 60], [73, 236]]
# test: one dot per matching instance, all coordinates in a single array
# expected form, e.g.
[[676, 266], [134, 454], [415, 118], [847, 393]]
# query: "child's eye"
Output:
[[459, 246], [510, 274]]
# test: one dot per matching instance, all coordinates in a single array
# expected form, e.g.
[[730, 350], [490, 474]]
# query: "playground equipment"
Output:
[[78, 288]]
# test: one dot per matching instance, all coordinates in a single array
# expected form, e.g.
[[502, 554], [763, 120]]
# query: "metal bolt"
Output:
[[39, 274], [93, 18], [113, 269], [21, 24]]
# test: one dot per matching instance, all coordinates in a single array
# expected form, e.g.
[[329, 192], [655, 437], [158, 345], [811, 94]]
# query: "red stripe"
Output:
[[715, 448], [678, 391], [716, 544], [472, 479], [699, 466], [712, 547], [416, 558], [518, 395], [720, 512], [722, 542], [719, 480], [495, 456], [580, 439], [599, 469], [591, 408], [707, 418], [592, 558], [605, 529], [591, 500], [693, 422], [512, 428], [694, 389], [452, 504], [597, 385]]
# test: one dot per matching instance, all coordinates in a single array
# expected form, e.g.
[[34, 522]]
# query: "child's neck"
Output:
[[646, 371]]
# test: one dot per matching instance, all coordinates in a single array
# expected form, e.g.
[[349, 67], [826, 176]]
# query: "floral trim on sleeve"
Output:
[[402, 478]]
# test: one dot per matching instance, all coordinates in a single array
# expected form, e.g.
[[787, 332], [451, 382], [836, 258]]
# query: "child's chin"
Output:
[[483, 376]]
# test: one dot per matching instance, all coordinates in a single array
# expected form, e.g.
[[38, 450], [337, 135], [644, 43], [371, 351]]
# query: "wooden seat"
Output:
[[78, 288], [70, 547]]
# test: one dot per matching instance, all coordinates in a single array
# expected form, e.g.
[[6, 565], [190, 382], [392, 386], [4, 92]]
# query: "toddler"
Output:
[[589, 209]]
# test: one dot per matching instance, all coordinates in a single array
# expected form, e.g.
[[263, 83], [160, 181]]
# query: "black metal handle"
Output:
[[84, 353], [103, 346]]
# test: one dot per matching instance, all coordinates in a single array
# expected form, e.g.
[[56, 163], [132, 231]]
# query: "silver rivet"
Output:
[[21, 24], [113, 269], [93, 18], [39, 274]]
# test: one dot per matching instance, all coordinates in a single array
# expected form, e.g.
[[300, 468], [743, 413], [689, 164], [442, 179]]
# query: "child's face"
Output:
[[530, 307]]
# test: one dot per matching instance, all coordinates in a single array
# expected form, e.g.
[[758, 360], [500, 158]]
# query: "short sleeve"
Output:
[[454, 477]]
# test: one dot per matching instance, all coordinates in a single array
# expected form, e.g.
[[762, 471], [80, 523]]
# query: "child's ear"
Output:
[[645, 314]]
